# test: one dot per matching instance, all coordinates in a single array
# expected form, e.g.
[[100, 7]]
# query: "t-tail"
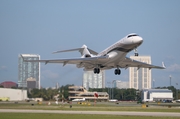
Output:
[[85, 52]]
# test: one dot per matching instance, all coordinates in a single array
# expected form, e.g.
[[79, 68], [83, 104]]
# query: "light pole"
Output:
[[109, 89], [153, 83], [177, 91], [170, 79]]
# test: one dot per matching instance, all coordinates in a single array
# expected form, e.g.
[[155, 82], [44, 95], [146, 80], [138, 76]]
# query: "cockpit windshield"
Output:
[[132, 35]]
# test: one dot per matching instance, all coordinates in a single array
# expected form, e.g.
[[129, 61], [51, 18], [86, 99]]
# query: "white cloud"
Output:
[[173, 68]]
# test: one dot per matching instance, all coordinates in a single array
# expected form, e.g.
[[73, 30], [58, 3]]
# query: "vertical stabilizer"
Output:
[[84, 51]]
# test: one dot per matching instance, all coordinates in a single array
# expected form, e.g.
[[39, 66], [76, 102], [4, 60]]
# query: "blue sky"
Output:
[[43, 26]]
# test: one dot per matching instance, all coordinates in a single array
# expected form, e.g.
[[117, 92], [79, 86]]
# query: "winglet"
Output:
[[163, 65]]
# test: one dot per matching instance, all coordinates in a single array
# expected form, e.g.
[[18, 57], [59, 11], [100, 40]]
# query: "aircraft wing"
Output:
[[128, 62], [89, 60]]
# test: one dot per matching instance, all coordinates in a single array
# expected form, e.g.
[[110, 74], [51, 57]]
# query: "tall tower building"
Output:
[[28, 70], [91, 80], [140, 78]]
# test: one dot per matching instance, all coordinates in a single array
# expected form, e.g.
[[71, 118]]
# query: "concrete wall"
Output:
[[13, 94]]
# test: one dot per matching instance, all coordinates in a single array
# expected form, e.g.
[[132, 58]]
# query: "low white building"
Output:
[[149, 95], [13, 94]]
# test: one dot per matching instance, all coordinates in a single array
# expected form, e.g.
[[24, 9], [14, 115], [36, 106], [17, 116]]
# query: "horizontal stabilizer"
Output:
[[76, 49]]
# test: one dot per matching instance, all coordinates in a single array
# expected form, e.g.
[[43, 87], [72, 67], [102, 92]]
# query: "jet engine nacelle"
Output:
[[87, 55], [112, 54]]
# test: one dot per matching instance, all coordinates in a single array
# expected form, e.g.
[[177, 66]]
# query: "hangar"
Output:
[[149, 95]]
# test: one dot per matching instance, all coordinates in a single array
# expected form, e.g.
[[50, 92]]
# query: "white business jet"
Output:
[[112, 57], [79, 100]]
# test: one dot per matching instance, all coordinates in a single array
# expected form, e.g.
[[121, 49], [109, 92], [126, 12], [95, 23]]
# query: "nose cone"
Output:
[[133, 40], [137, 40]]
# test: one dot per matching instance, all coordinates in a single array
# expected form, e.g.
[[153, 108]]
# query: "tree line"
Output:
[[129, 94], [62, 92], [49, 94]]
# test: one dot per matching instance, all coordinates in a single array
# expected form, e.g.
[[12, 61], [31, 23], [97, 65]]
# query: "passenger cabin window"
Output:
[[132, 35]]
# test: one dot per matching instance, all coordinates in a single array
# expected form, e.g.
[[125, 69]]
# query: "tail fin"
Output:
[[84, 50]]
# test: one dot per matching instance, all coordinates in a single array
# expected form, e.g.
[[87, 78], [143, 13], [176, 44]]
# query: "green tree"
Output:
[[1, 86]]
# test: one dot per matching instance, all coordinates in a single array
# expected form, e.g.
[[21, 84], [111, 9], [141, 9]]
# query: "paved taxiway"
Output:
[[130, 113]]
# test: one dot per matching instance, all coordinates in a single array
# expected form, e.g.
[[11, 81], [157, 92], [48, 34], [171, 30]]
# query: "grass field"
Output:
[[98, 107], [72, 116]]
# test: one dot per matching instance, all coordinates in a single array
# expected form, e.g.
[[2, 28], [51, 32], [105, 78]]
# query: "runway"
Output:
[[130, 113]]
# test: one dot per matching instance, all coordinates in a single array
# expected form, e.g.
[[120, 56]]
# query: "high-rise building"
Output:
[[140, 78], [91, 80], [28, 70], [31, 83]]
